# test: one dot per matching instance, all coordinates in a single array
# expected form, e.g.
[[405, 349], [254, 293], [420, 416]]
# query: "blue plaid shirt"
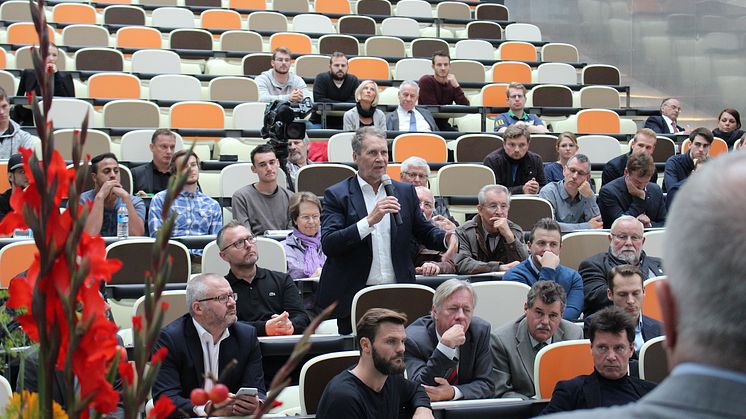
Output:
[[197, 214]]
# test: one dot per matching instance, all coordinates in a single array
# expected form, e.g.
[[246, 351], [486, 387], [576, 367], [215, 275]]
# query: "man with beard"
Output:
[[448, 352], [17, 179], [441, 88], [267, 300], [279, 83], [680, 166], [297, 158], [376, 388], [572, 198], [520, 170], [202, 344], [625, 247], [334, 86]]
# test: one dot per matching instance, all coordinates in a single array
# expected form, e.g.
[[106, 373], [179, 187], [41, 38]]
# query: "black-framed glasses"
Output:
[[222, 299], [241, 242]]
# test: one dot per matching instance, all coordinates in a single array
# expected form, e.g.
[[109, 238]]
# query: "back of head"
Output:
[[703, 132], [703, 258], [368, 325]]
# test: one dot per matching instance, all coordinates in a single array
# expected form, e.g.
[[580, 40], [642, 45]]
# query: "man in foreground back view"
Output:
[[703, 301]]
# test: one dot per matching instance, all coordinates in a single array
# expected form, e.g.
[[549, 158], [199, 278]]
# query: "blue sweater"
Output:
[[568, 278]]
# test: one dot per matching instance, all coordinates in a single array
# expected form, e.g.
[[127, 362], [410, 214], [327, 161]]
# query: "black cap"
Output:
[[15, 162]]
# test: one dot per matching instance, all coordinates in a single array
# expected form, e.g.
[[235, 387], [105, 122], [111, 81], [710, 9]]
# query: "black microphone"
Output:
[[389, 188]]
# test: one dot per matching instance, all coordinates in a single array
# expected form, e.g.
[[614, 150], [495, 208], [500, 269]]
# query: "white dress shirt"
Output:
[[210, 355], [381, 269], [404, 116], [450, 353], [670, 124]]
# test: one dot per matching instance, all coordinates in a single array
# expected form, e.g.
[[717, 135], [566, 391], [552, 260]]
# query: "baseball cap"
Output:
[[15, 162]]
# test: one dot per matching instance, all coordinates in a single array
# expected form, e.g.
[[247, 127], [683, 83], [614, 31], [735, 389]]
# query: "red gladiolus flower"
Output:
[[164, 305], [137, 323], [276, 403], [162, 408], [126, 372], [159, 356]]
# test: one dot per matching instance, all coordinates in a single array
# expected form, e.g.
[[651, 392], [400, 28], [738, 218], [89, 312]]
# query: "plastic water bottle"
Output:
[[122, 222]]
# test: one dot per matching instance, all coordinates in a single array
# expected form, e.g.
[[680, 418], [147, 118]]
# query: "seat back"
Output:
[[522, 32], [599, 148], [369, 68], [311, 65], [313, 23], [268, 21], [475, 147], [374, 7], [500, 302], [654, 242], [495, 94], [414, 300], [272, 253], [468, 71], [527, 210], [255, 64], [135, 255], [156, 61], [552, 96], [557, 73], [139, 37], [511, 71], [599, 97], [598, 121], [99, 59], [172, 17], [474, 49], [135, 145], [464, 179], [484, 30], [601, 74], [300, 6], [413, 8], [241, 89], [385, 46], [400, 26], [7, 82], [6, 392], [316, 178], [240, 40], [211, 260], [341, 7], [561, 361], [316, 374], [653, 360], [175, 87], [114, 86], [545, 146], [346, 44], [664, 148], [453, 10], [249, 116], [412, 68], [83, 35], [235, 176], [517, 51], [298, 43], [177, 306], [425, 47], [248, 4], [340, 147], [124, 14], [194, 114], [220, 19], [15, 11], [491, 12], [24, 33], [431, 147], [15, 258], [190, 39], [74, 13], [69, 112], [651, 305], [132, 114], [559, 52], [353, 25], [580, 245], [97, 142]]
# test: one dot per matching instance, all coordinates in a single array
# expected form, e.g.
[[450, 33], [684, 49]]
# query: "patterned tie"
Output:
[[453, 377], [412, 121], [673, 127], [539, 345]]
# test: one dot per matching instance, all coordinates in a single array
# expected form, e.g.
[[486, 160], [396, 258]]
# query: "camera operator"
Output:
[[286, 129]]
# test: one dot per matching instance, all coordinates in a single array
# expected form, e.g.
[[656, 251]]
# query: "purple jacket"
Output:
[[295, 254]]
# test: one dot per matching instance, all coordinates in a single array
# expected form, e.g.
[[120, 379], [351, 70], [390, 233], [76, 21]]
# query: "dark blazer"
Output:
[[349, 258], [584, 392], [614, 201], [678, 168], [183, 368], [594, 270], [658, 124], [424, 362], [530, 166], [651, 328], [63, 86], [614, 168], [392, 119]]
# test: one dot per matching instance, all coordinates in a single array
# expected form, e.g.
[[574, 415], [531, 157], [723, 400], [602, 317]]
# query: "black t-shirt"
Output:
[[348, 397], [5, 203]]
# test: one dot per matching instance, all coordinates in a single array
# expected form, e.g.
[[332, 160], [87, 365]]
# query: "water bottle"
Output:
[[122, 222]]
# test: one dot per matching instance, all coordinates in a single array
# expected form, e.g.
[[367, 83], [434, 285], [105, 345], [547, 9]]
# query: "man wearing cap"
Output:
[[16, 178]]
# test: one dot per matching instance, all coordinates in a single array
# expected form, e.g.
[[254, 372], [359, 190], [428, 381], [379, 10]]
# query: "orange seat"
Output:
[[74, 13], [138, 37], [561, 361], [194, 114], [341, 7], [297, 43], [598, 121], [24, 33], [431, 147], [508, 72], [394, 171], [3, 58], [114, 86], [220, 19], [517, 51], [248, 4], [15, 258], [369, 68], [495, 95], [4, 183], [718, 146], [651, 307], [114, 1]]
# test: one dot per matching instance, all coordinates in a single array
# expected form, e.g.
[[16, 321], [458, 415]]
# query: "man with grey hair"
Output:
[[297, 158], [702, 301], [515, 345], [202, 343], [416, 171], [490, 242], [572, 198], [448, 351], [667, 121], [408, 116], [625, 248], [364, 241]]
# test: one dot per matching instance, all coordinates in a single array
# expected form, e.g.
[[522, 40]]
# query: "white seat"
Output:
[[175, 87], [522, 32], [474, 49], [599, 148], [339, 147], [556, 73], [136, 145], [69, 113], [271, 254], [8, 82], [580, 245], [172, 17], [412, 68], [313, 23], [156, 61], [236, 176], [6, 392], [654, 241], [249, 116], [400, 26], [211, 260], [413, 8], [500, 302]]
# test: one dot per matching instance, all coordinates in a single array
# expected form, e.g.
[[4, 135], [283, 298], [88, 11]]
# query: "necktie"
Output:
[[539, 345], [453, 377], [412, 121], [673, 127]]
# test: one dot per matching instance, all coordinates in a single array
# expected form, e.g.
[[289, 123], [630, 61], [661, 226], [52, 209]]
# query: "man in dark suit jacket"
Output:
[[625, 247], [413, 118], [634, 194], [644, 141], [363, 243], [203, 342], [515, 167], [680, 166], [449, 351], [666, 121], [612, 337]]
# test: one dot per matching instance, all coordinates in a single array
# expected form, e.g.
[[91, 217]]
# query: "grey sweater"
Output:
[[13, 138], [261, 212], [271, 90]]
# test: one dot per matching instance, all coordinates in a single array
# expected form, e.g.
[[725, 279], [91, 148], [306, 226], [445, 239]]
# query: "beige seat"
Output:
[[131, 114], [97, 142], [580, 245], [241, 89], [654, 360], [243, 41], [316, 178], [414, 300], [468, 71], [385, 46], [500, 302], [463, 179], [599, 97], [311, 65], [559, 52], [267, 21], [527, 210]]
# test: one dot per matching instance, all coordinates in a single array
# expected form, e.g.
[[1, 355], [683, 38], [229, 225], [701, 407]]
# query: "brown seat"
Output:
[[374, 7], [425, 47], [255, 64], [414, 300], [552, 96], [316, 374], [132, 114], [203, 3], [484, 30], [191, 39], [124, 15], [527, 210], [654, 360], [346, 44], [135, 255], [491, 12], [316, 178], [664, 148], [357, 25], [475, 147], [545, 146], [99, 59], [601, 74], [236, 88]]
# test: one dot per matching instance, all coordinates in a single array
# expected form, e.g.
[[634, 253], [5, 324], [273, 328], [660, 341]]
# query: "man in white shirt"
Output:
[[408, 116]]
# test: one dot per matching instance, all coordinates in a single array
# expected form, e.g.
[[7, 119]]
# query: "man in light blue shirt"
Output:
[[573, 200]]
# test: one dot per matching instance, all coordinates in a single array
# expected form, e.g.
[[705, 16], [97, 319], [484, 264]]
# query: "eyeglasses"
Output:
[[415, 175], [222, 299], [494, 207], [426, 204], [624, 237], [575, 171], [240, 243]]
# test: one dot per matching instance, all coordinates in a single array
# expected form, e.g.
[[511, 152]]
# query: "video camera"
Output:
[[285, 121]]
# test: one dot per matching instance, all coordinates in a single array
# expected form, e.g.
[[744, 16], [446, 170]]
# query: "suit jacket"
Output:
[[614, 200], [658, 124], [614, 168], [392, 119], [425, 362], [691, 396], [183, 368], [651, 328], [594, 270], [349, 258], [678, 168], [514, 356], [584, 392]]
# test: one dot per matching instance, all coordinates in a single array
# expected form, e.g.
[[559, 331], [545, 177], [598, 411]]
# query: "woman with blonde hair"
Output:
[[365, 113]]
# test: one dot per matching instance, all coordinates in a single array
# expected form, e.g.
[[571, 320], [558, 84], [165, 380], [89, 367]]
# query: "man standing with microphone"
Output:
[[363, 244]]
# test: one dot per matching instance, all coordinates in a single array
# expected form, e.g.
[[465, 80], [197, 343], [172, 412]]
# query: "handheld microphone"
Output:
[[389, 188]]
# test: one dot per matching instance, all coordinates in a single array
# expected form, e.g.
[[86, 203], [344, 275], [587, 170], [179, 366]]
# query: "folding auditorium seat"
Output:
[[248, 4], [311, 65], [135, 145], [131, 114], [559, 52], [174, 87], [190, 39], [414, 300], [339, 149], [82, 35], [340, 7], [255, 64], [516, 51], [491, 12], [599, 148], [580, 245], [463, 179], [385, 46], [494, 95], [523, 32], [598, 121], [113, 86], [74, 13], [97, 142], [511, 71], [374, 7], [316, 178], [267, 21], [453, 10], [313, 23], [298, 43], [158, 2], [431, 147], [507, 299], [400, 26], [196, 114], [664, 148], [203, 3], [346, 44], [474, 49], [241, 89], [475, 147], [601, 74], [15, 258], [550, 96], [413, 8], [412, 68], [99, 59], [8, 82], [599, 97], [372, 68], [556, 73], [24, 33], [469, 71], [156, 61], [561, 361], [124, 15], [172, 17], [425, 47], [299, 6], [354, 25], [15, 11], [139, 37], [220, 19], [69, 113], [484, 30], [526, 210], [241, 41]]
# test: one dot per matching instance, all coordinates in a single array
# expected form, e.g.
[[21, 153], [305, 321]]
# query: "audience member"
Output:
[[416, 171], [611, 334], [729, 126], [490, 242], [63, 86], [107, 196], [625, 248], [516, 94], [644, 141], [634, 194], [262, 205], [740, 143], [441, 88], [666, 122], [297, 158], [279, 83], [303, 245], [152, 177], [448, 352], [521, 170], [702, 301], [572, 198], [375, 387], [515, 345], [627, 291], [680, 166], [433, 262], [17, 179], [358, 236], [408, 116], [335, 85], [544, 245], [567, 146], [365, 113], [201, 344], [12, 137], [267, 300]]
